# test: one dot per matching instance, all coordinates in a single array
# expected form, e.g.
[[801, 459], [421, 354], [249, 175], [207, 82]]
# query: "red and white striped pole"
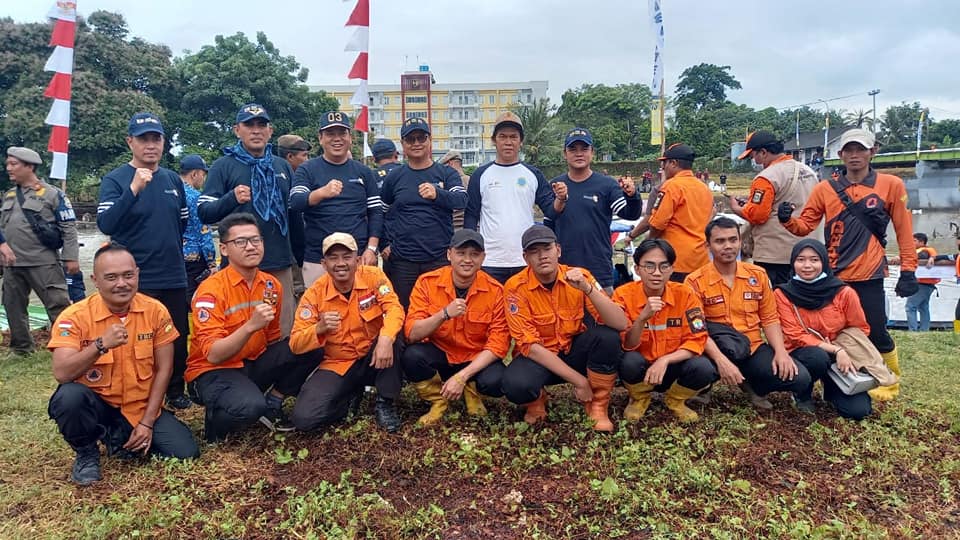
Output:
[[61, 63], [360, 43]]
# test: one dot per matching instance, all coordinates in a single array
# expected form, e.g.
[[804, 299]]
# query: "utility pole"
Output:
[[873, 93]]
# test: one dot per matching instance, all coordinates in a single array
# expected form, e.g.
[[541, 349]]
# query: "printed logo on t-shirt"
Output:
[[521, 182], [593, 198]]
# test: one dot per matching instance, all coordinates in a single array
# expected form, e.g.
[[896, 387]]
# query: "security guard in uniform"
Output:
[[35, 217]]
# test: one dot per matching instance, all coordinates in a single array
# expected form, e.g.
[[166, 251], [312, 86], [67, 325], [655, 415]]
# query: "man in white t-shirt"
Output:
[[500, 200]]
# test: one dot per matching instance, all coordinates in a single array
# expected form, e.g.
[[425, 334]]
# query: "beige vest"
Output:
[[792, 182]]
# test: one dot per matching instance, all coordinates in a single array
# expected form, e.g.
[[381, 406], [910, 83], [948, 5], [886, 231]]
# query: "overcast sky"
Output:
[[784, 54]]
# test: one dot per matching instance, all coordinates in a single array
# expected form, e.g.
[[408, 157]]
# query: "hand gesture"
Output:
[[385, 253], [329, 323], [655, 373], [654, 305], [582, 391], [7, 254], [628, 186], [452, 389], [456, 308], [260, 317], [382, 353], [72, 267], [560, 190], [115, 336], [844, 363], [576, 278], [242, 193], [784, 366], [428, 191], [735, 203], [368, 258], [332, 189], [140, 439], [785, 211], [729, 373], [141, 177]]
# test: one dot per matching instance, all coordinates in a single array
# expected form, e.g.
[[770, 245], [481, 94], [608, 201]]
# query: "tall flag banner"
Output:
[[359, 42], [656, 110], [64, 14], [923, 116], [798, 129], [826, 132]]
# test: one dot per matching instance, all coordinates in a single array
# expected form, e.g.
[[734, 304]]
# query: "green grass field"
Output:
[[735, 474]]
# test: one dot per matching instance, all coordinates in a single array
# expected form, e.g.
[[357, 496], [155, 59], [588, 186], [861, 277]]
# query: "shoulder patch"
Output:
[[656, 203], [306, 312], [206, 301], [757, 196], [695, 320], [203, 315]]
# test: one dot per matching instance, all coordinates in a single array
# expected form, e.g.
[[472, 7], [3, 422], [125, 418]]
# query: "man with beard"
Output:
[[352, 317]]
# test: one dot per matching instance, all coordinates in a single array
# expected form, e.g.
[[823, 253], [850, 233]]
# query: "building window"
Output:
[[492, 100], [416, 99], [396, 100], [416, 114], [396, 115], [433, 99]]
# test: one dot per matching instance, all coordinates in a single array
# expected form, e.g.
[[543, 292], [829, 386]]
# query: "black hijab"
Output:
[[811, 295]]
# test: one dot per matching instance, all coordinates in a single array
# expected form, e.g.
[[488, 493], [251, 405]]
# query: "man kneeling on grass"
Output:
[[666, 338], [545, 312], [457, 330], [113, 356]]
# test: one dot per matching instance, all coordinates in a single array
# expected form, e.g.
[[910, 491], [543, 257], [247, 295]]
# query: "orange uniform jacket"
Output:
[[221, 305], [124, 375], [931, 253], [759, 208], [856, 254], [682, 210], [843, 312], [372, 310], [679, 325], [747, 306], [482, 327], [548, 317]]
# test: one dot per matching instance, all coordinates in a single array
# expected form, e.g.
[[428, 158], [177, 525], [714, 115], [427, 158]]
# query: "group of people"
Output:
[[448, 305]]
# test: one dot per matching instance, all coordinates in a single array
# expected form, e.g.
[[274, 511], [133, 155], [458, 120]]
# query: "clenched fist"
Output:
[[260, 317]]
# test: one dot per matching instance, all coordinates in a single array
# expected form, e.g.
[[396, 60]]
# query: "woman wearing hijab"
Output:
[[815, 307]]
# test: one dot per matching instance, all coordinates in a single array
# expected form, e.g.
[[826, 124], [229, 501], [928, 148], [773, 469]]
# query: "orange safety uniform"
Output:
[[123, 376], [482, 327], [549, 317], [759, 205], [844, 311], [679, 325], [372, 310], [931, 253], [221, 305], [681, 212], [748, 306], [855, 253]]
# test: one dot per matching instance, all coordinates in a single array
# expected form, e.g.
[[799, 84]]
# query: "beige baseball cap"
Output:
[[857, 135], [339, 239]]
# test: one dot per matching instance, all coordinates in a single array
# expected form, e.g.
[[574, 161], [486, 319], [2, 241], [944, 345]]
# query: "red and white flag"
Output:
[[359, 42], [64, 14]]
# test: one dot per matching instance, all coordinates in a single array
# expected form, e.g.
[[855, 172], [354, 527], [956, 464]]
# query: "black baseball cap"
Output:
[[383, 148], [144, 122], [678, 151], [414, 124], [250, 111], [537, 234], [334, 119], [758, 140], [466, 236]]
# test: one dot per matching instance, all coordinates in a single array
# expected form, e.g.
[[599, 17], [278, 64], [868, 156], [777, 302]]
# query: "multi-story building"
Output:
[[461, 115]]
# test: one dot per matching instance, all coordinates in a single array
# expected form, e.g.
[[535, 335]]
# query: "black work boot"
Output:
[[86, 468], [386, 414]]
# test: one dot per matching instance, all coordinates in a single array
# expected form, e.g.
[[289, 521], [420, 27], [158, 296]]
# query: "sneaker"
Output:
[[805, 406], [386, 415], [86, 467], [277, 420], [756, 400], [179, 401]]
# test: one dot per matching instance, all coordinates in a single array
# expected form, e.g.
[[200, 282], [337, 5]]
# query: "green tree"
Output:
[[945, 132], [618, 116], [899, 125], [541, 132], [859, 118], [704, 85]]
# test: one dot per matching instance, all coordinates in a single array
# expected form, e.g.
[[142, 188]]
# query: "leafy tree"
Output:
[[618, 116], [945, 132], [899, 124], [859, 118], [541, 132], [704, 85]]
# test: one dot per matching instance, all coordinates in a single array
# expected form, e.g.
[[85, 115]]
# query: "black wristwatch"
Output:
[[98, 343]]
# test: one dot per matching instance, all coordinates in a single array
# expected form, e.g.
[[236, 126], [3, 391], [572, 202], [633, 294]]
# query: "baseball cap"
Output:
[[25, 155], [537, 234], [144, 122], [250, 111], [339, 239], [293, 142], [192, 162], [508, 119], [858, 135], [414, 124], [578, 135], [678, 151], [383, 148], [758, 140], [466, 236], [451, 155], [334, 119]]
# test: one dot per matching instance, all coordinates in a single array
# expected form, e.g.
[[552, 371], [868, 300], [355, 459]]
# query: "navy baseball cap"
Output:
[[250, 111], [383, 147], [192, 162], [678, 151], [334, 119], [414, 124], [144, 122], [578, 135]]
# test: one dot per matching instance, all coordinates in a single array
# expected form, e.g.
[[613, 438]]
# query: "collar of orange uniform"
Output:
[[236, 279], [101, 312], [359, 283], [714, 276], [784, 157], [533, 282], [869, 181], [684, 173], [669, 292], [446, 281]]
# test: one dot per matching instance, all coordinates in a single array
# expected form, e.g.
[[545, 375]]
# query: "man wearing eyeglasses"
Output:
[[237, 351], [336, 193], [422, 196], [738, 295]]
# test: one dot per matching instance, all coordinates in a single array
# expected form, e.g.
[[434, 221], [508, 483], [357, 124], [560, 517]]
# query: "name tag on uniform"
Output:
[[674, 323], [713, 300], [752, 295]]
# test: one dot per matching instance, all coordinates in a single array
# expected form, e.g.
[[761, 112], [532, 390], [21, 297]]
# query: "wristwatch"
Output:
[[373, 249], [98, 343]]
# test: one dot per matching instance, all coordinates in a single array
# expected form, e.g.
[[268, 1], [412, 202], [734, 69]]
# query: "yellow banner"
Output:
[[656, 122]]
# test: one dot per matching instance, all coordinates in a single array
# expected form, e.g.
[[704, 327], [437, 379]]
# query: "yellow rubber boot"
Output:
[[640, 394], [536, 410], [888, 393], [597, 408], [429, 391], [676, 398], [473, 400]]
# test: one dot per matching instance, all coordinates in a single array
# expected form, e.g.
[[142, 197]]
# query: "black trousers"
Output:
[[403, 275], [855, 407], [694, 373], [234, 396], [597, 349], [421, 361], [175, 300], [873, 301], [84, 418], [757, 369], [325, 397], [195, 276], [778, 273], [502, 274]]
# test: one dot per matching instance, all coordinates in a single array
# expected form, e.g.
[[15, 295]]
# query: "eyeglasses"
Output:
[[242, 242], [651, 267], [416, 139]]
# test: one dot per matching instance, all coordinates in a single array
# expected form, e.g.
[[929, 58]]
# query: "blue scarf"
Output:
[[265, 191]]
